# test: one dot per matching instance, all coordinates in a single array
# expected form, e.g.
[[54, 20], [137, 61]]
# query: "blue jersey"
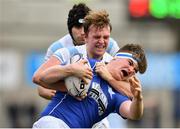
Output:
[[100, 102], [67, 41]]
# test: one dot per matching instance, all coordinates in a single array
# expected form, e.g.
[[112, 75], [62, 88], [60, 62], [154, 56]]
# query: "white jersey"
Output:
[[65, 54], [67, 41]]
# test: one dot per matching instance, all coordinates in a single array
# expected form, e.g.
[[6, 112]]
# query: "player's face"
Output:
[[122, 68], [78, 35], [97, 40]]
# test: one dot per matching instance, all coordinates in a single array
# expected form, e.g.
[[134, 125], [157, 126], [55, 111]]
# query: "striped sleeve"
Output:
[[112, 47], [65, 54], [54, 47]]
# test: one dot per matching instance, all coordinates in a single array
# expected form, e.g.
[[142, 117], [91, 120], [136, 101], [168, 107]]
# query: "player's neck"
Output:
[[94, 57]]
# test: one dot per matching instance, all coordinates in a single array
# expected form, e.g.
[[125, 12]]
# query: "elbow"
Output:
[[36, 79], [40, 80]]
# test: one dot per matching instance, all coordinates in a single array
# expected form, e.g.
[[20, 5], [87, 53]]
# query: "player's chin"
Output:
[[80, 43], [118, 77], [100, 53]]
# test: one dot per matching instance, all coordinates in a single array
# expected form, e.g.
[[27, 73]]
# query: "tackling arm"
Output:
[[51, 73], [121, 86], [37, 77]]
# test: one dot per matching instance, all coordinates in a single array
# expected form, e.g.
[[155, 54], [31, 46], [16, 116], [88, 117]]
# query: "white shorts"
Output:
[[104, 123], [50, 122]]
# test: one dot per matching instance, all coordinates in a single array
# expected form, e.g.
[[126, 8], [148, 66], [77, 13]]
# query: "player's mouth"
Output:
[[100, 46], [124, 74]]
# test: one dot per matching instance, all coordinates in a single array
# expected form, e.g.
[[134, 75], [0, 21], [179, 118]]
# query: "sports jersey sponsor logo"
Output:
[[98, 95]]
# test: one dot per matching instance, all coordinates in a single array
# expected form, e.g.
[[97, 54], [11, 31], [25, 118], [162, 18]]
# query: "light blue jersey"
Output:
[[65, 54], [67, 41], [100, 102]]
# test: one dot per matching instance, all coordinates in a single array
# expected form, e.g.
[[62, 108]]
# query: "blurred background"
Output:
[[28, 27]]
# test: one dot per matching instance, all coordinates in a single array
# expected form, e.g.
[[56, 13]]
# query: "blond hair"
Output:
[[99, 19]]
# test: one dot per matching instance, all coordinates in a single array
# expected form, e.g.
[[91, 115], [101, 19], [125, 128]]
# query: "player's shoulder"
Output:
[[107, 57], [112, 40], [65, 41], [112, 43], [72, 50], [66, 38], [112, 47], [77, 49]]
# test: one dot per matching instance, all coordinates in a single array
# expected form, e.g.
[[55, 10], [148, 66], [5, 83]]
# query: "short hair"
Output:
[[99, 19], [138, 54], [76, 15]]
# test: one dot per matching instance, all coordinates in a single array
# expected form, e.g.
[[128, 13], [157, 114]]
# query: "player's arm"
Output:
[[51, 73], [133, 109], [45, 92], [121, 86], [38, 75], [60, 72]]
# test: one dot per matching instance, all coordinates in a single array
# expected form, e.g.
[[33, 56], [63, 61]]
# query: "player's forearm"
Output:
[[49, 80], [121, 86], [58, 86], [136, 108], [55, 74]]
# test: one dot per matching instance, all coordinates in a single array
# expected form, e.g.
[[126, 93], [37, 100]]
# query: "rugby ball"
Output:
[[76, 86]]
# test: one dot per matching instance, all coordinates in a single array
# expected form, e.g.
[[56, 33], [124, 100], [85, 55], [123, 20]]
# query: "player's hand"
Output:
[[80, 98], [82, 70], [103, 71], [46, 93], [136, 88]]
